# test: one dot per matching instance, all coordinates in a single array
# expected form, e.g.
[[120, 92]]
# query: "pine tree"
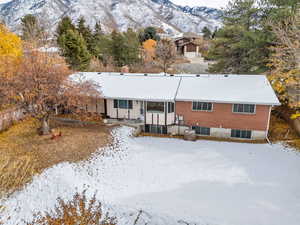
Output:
[[243, 44], [117, 48], [98, 29], [31, 28], [75, 50], [206, 33], [64, 25], [85, 31], [132, 47]]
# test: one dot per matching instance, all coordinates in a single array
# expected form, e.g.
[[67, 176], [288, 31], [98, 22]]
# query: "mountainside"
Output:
[[115, 14]]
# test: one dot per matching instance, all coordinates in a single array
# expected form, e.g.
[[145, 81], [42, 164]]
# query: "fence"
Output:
[[9, 116]]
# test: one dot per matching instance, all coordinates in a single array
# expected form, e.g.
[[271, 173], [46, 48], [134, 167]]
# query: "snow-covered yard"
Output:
[[203, 182]]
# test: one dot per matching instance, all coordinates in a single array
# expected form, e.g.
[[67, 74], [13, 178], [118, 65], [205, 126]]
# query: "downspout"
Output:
[[175, 103], [268, 126]]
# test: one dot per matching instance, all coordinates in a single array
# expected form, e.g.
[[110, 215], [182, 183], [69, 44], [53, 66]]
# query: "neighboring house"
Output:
[[226, 106], [188, 45]]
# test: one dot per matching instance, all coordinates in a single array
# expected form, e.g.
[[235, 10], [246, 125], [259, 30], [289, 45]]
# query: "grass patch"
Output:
[[21, 146]]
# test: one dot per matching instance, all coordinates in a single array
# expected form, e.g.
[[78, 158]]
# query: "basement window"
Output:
[[202, 130], [245, 134]]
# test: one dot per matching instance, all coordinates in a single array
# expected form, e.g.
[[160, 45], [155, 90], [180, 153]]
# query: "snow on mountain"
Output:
[[115, 14]]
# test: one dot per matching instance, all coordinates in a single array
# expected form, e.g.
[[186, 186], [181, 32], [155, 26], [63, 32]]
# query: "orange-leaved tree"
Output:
[[10, 55], [149, 47], [41, 83]]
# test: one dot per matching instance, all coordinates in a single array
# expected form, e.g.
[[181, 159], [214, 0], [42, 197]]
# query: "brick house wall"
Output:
[[223, 117]]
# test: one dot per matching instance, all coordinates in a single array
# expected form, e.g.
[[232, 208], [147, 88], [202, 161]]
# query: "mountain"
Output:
[[115, 14]]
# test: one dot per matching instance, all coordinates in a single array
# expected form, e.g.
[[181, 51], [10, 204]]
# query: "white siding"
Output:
[[132, 114], [170, 118], [155, 118]]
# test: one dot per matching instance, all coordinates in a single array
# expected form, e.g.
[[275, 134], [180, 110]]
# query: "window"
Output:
[[122, 104], [201, 130], [244, 108], [171, 107], [156, 107], [241, 134], [156, 129], [202, 106]]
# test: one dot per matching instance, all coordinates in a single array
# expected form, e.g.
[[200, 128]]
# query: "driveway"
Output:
[[173, 182], [197, 65]]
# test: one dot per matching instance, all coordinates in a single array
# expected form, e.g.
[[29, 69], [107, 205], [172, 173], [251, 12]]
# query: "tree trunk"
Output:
[[286, 115], [45, 128], [296, 125], [297, 56]]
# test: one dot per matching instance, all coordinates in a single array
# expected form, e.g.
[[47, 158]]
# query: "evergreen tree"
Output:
[[125, 47], [148, 33], [64, 25], [98, 29], [243, 44], [117, 48], [85, 31], [75, 50], [101, 47], [31, 29], [279, 10], [206, 33], [132, 47]]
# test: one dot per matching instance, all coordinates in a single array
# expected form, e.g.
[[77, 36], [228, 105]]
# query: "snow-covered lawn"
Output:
[[203, 182]]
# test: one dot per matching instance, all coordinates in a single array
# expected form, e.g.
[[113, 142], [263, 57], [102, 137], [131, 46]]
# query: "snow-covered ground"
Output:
[[203, 182]]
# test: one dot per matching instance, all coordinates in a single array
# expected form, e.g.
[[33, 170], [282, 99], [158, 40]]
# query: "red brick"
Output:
[[223, 117]]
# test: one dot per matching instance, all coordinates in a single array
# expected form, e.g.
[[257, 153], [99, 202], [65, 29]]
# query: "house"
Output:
[[188, 45], [225, 106]]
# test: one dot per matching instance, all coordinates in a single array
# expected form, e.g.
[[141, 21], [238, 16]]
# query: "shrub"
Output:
[[79, 211]]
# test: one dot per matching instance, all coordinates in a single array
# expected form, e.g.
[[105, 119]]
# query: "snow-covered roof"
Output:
[[252, 89], [153, 87]]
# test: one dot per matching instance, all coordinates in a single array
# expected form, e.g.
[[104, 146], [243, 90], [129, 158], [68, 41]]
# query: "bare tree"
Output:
[[285, 68], [165, 53], [285, 62], [42, 82]]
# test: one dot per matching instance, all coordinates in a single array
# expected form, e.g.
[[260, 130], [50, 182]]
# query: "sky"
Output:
[[209, 3]]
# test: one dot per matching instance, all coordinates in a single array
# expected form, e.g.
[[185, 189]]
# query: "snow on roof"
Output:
[[153, 87], [252, 89]]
